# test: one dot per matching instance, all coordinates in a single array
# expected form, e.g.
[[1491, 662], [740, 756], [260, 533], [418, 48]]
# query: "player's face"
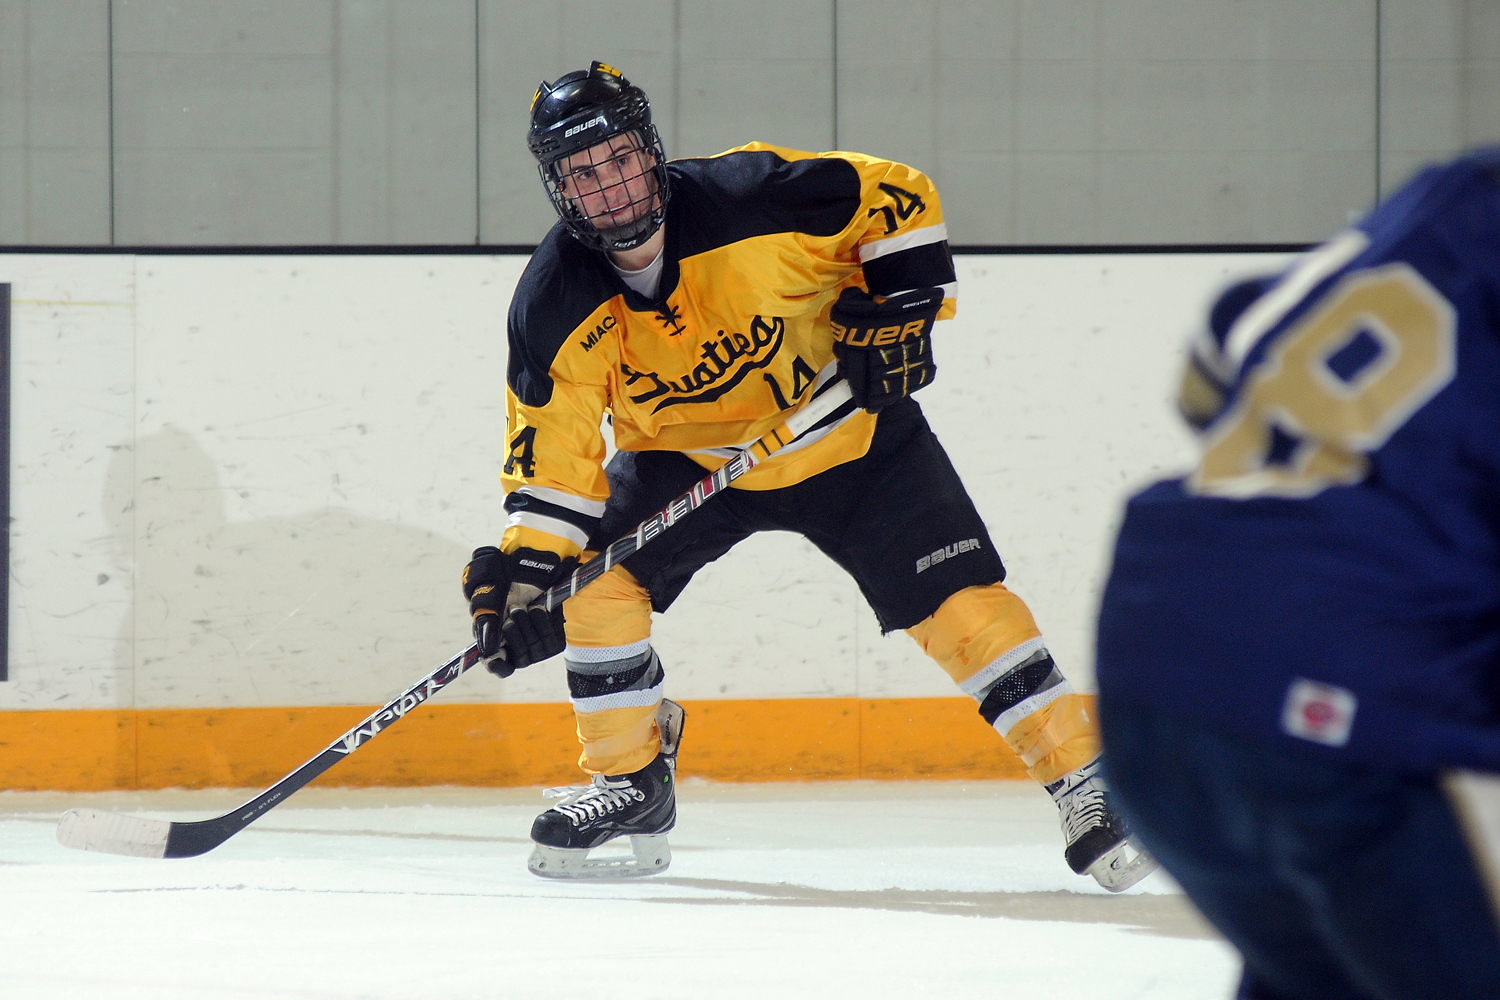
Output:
[[611, 183]]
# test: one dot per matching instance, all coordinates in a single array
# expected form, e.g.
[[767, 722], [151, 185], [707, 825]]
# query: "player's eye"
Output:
[[586, 174]]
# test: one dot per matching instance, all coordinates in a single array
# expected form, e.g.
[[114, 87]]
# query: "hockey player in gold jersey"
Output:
[[698, 303]]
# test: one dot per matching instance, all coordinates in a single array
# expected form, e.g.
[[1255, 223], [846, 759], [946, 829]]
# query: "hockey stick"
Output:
[[116, 833], [799, 423]]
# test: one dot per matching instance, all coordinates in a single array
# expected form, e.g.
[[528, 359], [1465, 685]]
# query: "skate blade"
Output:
[[1122, 867], [649, 855]]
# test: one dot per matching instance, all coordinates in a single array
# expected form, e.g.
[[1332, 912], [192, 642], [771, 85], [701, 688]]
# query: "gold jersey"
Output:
[[759, 242]]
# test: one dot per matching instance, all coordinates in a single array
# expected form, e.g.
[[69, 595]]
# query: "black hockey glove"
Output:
[[500, 588], [884, 349]]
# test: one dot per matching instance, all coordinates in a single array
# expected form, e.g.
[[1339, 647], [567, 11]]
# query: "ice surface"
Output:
[[864, 890]]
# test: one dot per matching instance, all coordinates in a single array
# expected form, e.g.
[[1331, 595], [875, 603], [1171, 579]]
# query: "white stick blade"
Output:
[[112, 833]]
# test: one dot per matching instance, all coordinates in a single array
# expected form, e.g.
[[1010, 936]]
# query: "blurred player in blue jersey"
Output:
[[1307, 627]]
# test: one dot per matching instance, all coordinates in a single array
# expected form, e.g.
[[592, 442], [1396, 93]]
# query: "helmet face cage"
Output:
[[600, 158], [621, 179]]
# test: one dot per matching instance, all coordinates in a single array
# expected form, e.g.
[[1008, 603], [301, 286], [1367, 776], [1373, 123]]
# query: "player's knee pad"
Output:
[[978, 634], [614, 610], [614, 677]]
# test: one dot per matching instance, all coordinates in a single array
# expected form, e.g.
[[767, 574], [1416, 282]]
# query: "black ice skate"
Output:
[[641, 806], [1097, 840]]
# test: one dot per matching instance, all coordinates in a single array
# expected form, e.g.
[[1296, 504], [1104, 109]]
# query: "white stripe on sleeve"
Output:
[[551, 525], [903, 241], [593, 508]]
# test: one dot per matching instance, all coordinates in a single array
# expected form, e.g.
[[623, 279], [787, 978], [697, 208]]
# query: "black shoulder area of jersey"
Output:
[[721, 200], [563, 283]]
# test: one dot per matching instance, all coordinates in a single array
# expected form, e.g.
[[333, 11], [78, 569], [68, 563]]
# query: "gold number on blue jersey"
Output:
[[1333, 388]]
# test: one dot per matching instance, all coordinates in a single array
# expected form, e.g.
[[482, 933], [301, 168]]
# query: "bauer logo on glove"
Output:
[[884, 349], [504, 590]]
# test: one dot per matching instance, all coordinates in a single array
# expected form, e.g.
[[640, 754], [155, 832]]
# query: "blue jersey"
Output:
[[1329, 574]]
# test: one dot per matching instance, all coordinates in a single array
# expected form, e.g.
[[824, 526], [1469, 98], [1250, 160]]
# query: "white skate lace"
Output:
[[585, 803], [1082, 808]]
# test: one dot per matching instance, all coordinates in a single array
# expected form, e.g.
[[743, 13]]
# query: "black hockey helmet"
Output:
[[584, 110]]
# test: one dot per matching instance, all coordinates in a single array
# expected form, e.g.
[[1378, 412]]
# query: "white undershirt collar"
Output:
[[647, 279]]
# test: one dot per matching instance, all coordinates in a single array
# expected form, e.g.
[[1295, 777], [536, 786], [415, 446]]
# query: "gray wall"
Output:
[[273, 122]]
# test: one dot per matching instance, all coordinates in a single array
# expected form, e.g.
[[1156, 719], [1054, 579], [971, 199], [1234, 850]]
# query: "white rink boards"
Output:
[[864, 890], [249, 481]]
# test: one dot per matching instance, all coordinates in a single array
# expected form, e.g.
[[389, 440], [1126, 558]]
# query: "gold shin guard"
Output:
[[618, 740], [986, 640], [1056, 739], [610, 623]]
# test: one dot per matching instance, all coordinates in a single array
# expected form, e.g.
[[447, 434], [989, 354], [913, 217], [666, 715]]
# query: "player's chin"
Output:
[[620, 219]]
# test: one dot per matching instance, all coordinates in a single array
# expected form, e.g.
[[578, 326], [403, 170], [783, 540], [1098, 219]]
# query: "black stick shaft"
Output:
[[187, 840], [711, 485], [191, 839]]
